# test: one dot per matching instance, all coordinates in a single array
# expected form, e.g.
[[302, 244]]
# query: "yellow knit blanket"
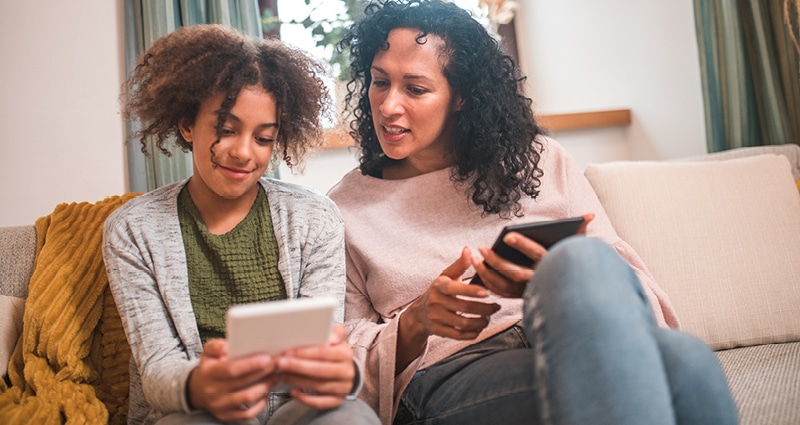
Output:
[[70, 364]]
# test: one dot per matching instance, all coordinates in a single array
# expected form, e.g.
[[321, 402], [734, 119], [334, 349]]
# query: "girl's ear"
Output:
[[186, 130]]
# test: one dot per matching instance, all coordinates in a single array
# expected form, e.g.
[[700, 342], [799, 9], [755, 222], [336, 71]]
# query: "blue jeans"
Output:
[[352, 412], [589, 352]]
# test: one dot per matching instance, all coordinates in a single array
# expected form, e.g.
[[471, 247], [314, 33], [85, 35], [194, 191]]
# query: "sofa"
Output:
[[720, 233]]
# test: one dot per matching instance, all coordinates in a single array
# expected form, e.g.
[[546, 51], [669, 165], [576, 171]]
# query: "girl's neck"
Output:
[[221, 215]]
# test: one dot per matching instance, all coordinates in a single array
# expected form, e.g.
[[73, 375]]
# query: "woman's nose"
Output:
[[392, 104]]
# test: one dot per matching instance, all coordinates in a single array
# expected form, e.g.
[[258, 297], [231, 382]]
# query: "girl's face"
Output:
[[244, 150], [413, 106]]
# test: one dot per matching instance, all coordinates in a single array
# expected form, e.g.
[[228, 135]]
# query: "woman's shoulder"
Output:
[[348, 182]]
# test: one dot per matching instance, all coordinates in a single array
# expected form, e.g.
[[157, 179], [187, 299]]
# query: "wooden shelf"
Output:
[[551, 122], [584, 120]]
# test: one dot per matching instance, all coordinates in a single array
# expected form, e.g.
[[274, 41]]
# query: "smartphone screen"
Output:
[[545, 233]]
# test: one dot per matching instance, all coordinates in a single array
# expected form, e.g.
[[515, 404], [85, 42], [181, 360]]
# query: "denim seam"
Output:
[[540, 359]]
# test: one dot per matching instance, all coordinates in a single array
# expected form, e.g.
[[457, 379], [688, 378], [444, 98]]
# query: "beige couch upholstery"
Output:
[[721, 233]]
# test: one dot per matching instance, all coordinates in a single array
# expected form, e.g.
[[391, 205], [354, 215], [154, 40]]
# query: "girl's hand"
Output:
[[321, 376], [230, 389], [509, 279]]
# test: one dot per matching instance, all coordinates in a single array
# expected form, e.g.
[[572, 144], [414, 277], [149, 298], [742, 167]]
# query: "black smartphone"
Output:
[[546, 233]]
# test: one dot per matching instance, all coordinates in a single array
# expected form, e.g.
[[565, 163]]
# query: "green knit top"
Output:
[[238, 267]]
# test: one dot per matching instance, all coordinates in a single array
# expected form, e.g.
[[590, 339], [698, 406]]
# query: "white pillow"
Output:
[[722, 238], [11, 309]]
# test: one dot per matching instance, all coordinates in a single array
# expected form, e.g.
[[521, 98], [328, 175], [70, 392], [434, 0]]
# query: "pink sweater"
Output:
[[400, 234]]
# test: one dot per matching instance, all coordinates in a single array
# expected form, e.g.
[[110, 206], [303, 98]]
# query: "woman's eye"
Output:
[[416, 90], [379, 83]]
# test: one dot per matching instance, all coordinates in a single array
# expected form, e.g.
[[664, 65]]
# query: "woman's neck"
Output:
[[408, 168]]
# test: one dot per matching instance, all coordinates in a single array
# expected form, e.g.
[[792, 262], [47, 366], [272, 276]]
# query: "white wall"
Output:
[[62, 67], [62, 137], [586, 55]]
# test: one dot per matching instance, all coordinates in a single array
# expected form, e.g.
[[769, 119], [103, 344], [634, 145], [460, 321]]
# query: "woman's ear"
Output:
[[186, 130], [459, 103]]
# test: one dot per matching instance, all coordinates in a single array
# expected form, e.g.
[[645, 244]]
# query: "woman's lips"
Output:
[[394, 133]]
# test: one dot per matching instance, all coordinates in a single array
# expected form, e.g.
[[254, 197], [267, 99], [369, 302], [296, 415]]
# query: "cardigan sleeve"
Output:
[[164, 366]]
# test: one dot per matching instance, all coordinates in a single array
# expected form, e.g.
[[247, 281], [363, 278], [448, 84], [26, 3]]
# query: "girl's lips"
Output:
[[234, 173]]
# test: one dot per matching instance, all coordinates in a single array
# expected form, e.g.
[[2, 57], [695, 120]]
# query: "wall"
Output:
[[585, 55], [62, 138], [62, 66]]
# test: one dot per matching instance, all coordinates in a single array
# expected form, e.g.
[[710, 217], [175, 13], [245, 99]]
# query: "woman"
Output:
[[179, 256], [450, 154]]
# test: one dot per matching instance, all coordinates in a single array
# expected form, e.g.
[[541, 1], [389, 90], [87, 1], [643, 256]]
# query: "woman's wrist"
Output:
[[411, 338]]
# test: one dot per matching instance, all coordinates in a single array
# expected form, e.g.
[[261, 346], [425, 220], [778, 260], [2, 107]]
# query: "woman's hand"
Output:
[[230, 389], [509, 279], [321, 376], [443, 310]]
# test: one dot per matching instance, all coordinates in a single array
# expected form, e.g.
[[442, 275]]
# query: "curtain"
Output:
[[750, 75], [147, 20]]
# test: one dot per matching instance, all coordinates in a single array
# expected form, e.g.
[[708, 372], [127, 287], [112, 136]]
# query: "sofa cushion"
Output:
[[721, 237], [764, 382], [11, 309]]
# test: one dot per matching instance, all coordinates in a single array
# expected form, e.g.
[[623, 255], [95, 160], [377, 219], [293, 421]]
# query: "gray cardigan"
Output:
[[146, 264]]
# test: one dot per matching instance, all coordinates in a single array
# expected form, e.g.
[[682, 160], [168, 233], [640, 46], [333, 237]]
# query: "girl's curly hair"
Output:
[[190, 65], [496, 148]]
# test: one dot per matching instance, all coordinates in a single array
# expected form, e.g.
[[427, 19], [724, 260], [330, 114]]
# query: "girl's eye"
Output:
[[226, 132], [264, 140]]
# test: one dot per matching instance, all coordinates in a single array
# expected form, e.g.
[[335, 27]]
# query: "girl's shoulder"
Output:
[[297, 203]]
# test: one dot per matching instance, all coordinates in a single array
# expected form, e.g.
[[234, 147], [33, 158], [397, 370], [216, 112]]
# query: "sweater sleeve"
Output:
[[374, 343], [582, 200]]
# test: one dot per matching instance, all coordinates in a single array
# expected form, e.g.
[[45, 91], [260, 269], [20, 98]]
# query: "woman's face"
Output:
[[413, 105], [244, 150]]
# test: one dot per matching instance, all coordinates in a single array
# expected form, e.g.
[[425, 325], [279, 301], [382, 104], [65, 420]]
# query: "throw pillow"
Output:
[[11, 309], [722, 238]]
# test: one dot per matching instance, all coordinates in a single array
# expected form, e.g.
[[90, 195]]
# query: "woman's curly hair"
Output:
[[497, 149], [192, 64]]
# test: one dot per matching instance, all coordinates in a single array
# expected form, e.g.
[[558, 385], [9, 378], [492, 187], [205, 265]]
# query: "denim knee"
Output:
[[583, 268]]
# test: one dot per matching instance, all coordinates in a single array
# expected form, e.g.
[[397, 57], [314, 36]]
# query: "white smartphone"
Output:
[[273, 327]]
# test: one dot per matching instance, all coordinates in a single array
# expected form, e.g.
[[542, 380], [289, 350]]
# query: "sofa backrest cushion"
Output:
[[17, 252], [722, 238]]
